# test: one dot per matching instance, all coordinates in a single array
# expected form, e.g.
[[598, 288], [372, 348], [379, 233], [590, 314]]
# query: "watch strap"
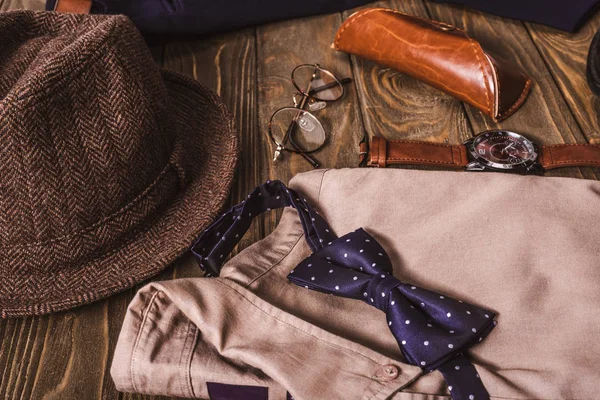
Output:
[[384, 152], [569, 155]]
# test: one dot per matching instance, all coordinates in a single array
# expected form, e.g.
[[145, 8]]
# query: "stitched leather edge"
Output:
[[574, 161], [424, 160], [554, 146], [422, 142], [460, 155], [474, 44], [517, 103], [359, 14], [548, 151], [346, 24], [488, 93], [449, 147], [498, 103]]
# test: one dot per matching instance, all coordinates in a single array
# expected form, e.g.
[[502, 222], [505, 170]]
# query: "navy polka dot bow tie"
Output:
[[432, 330]]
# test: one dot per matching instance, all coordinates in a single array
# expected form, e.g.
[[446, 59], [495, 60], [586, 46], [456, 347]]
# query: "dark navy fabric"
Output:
[[219, 239], [205, 17], [433, 330], [209, 16], [561, 14], [221, 391]]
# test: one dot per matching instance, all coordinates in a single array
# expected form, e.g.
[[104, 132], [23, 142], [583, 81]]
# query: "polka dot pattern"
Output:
[[438, 329], [433, 335], [236, 222]]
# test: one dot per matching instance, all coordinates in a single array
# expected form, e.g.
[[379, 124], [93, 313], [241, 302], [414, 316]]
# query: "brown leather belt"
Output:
[[384, 152]]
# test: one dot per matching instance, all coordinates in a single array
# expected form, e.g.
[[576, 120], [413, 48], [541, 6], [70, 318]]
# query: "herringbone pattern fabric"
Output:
[[108, 168]]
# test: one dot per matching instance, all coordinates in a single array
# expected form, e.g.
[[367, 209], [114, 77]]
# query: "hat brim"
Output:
[[207, 131]]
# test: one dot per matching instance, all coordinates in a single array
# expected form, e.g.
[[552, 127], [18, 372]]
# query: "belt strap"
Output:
[[402, 152], [569, 155]]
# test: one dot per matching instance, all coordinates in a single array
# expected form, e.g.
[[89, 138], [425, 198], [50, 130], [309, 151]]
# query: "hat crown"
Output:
[[84, 126]]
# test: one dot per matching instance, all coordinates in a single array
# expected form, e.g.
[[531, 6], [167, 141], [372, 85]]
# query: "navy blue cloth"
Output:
[[433, 330], [561, 14], [221, 391], [203, 17]]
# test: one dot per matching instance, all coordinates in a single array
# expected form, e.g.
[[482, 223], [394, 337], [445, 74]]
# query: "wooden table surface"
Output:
[[68, 355]]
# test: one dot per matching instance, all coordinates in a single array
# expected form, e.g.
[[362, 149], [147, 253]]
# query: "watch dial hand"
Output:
[[507, 147]]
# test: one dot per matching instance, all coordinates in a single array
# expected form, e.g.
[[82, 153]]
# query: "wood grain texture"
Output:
[[65, 355], [280, 48], [68, 355], [565, 55], [545, 116], [227, 65], [397, 106]]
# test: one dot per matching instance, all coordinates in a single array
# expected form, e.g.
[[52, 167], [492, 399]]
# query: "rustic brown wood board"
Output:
[[68, 355]]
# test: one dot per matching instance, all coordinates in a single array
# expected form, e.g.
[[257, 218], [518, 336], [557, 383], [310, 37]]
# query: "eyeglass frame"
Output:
[[306, 96]]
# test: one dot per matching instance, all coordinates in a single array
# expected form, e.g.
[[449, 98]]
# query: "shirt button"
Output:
[[387, 373]]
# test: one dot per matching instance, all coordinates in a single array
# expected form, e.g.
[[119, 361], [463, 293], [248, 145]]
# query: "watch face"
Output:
[[503, 150]]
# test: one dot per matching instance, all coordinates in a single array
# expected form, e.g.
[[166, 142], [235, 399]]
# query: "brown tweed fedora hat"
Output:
[[109, 167]]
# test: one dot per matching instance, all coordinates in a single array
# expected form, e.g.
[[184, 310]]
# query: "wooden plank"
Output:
[[280, 48], [227, 65], [398, 106], [16, 339], [65, 355], [545, 116], [565, 55]]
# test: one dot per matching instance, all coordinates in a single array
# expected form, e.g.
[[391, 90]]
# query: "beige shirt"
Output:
[[525, 247]]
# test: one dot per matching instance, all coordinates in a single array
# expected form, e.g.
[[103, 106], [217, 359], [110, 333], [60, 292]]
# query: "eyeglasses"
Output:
[[298, 131]]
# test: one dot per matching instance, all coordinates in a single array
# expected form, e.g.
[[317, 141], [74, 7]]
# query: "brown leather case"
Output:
[[73, 6], [382, 153], [439, 54]]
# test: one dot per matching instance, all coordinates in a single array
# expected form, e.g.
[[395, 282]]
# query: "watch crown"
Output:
[[474, 166]]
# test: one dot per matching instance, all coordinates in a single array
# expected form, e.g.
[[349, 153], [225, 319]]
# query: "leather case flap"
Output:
[[439, 54]]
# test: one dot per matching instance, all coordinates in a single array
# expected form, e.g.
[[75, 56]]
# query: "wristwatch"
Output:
[[496, 150]]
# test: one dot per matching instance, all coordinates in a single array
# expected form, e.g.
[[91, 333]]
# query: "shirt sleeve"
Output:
[[182, 337]]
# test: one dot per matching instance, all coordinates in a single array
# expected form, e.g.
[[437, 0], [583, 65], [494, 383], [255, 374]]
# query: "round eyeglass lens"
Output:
[[296, 130], [317, 83]]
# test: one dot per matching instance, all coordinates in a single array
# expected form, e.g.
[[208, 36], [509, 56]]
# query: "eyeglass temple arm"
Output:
[[299, 149], [289, 134], [328, 86]]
